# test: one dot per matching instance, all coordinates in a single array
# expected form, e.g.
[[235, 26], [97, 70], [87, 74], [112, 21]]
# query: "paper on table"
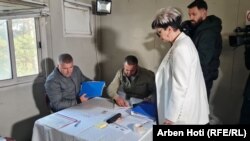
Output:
[[100, 102], [111, 132], [134, 100], [88, 119], [116, 107], [120, 128], [82, 126], [85, 113], [58, 121], [129, 121], [130, 101]]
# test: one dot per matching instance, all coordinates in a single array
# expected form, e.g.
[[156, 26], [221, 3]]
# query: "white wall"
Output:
[[83, 49]]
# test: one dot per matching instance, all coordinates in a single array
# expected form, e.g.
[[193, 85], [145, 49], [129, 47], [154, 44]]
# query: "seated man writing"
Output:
[[63, 84], [134, 81]]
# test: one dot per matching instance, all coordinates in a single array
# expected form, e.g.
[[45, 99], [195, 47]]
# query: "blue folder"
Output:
[[147, 109], [92, 88]]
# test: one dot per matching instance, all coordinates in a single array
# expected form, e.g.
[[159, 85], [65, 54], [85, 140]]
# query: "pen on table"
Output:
[[77, 123]]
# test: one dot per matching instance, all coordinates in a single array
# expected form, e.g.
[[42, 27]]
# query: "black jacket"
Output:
[[208, 41], [247, 63]]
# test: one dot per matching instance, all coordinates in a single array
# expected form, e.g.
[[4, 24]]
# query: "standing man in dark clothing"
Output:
[[245, 109], [207, 39]]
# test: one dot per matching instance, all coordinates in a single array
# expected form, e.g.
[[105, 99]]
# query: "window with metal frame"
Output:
[[19, 50]]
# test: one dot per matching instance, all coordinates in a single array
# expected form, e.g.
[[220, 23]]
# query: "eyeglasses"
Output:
[[158, 33]]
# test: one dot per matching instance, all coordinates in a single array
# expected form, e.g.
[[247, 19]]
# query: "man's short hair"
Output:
[[200, 4], [65, 58], [131, 60]]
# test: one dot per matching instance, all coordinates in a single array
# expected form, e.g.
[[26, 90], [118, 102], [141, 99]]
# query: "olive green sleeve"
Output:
[[114, 85]]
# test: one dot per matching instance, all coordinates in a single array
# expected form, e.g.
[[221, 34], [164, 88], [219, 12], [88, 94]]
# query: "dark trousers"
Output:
[[245, 109], [209, 84]]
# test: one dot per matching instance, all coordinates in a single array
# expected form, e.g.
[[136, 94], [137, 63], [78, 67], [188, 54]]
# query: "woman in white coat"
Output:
[[181, 90]]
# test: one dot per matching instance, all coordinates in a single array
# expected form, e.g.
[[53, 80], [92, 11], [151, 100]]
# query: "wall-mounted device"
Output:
[[103, 7], [241, 37]]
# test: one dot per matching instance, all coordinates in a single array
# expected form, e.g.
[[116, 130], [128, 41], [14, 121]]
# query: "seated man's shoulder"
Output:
[[147, 71], [76, 68], [53, 77], [119, 71]]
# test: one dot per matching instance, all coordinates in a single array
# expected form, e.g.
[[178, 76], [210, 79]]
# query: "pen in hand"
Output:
[[77, 123]]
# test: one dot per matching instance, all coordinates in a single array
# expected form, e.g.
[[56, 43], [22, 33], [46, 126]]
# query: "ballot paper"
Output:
[[58, 121]]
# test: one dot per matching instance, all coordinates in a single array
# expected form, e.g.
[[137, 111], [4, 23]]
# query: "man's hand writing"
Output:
[[121, 102]]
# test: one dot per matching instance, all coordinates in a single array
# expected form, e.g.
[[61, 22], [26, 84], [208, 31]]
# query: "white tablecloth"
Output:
[[83, 123]]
